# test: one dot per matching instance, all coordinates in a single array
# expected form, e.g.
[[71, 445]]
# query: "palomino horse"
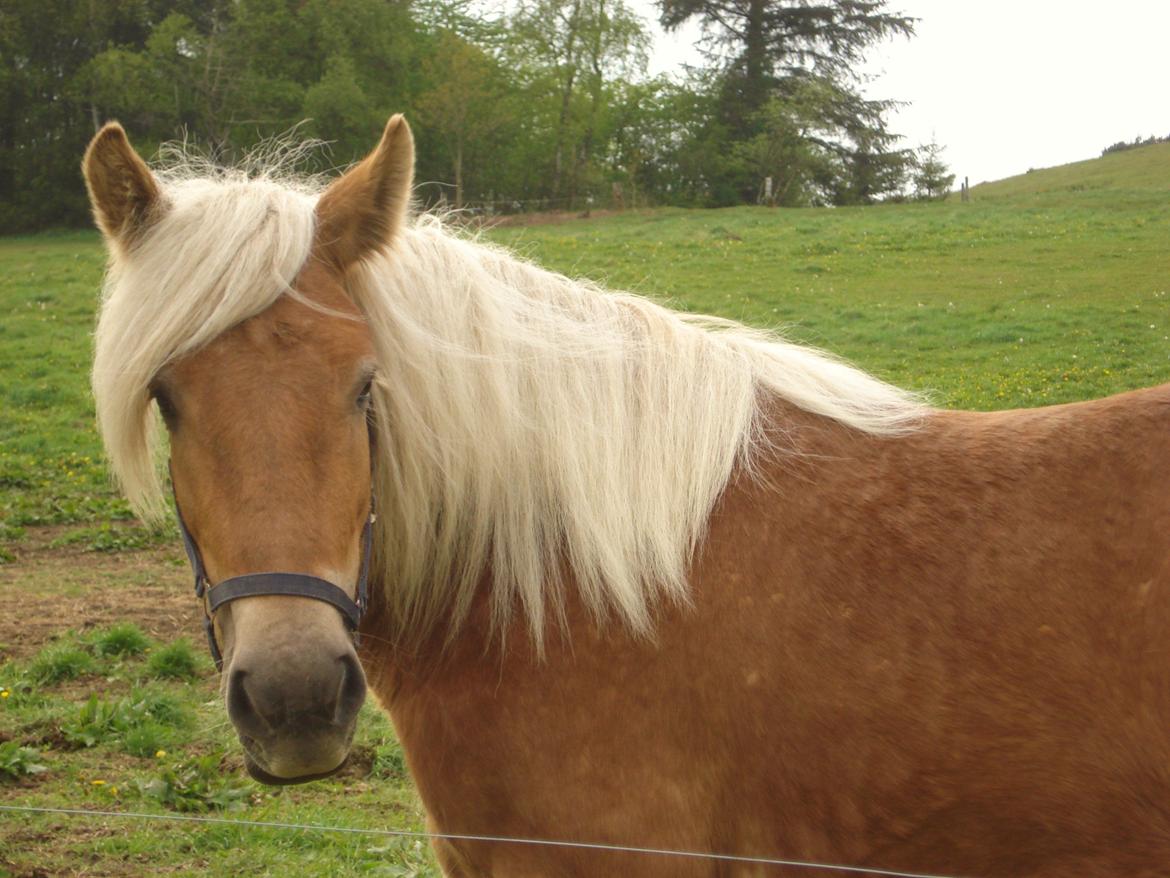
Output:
[[638, 578]]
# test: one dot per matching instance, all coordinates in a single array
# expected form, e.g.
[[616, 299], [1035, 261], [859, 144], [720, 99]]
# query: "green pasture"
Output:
[[991, 304], [1047, 288], [111, 720]]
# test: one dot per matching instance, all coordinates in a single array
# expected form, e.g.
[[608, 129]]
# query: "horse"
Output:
[[636, 578]]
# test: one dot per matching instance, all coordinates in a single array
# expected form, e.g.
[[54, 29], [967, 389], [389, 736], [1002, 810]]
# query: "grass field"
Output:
[[1049, 287]]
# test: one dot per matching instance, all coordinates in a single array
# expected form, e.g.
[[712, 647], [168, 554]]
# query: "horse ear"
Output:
[[125, 196], [367, 205]]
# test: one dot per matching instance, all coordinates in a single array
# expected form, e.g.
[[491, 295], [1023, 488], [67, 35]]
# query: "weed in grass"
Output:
[[176, 661], [147, 739], [17, 691], [54, 664], [124, 639], [17, 761], [197, 785], [142, 723], [164, 707], [97, 721]]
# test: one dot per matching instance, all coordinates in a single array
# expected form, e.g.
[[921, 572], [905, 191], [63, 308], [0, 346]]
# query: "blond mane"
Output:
[[528, 424]]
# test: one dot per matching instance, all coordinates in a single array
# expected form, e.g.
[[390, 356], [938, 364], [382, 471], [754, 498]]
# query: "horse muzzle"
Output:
[[296, 718]]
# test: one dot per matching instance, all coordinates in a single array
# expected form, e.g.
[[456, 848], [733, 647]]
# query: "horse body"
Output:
[[639, 579], [944, 652]]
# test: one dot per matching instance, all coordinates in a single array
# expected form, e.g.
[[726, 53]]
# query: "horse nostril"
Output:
[[352, 690], [241, 709]]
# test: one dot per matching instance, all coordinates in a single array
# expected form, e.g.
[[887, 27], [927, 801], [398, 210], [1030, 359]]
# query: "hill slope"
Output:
[[1144, 168]]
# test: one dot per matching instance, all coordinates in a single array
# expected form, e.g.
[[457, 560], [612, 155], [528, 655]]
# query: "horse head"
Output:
[[270, 449]]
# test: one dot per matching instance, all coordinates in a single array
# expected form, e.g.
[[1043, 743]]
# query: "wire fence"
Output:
[[448, 836]]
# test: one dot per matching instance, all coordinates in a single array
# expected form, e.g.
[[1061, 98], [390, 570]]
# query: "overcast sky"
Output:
[[1007, 85]]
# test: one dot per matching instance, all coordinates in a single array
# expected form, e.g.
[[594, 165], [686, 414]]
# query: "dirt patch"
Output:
[[48, 591]]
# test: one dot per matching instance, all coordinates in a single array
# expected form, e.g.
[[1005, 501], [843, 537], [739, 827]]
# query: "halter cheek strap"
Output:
[[300, 585]]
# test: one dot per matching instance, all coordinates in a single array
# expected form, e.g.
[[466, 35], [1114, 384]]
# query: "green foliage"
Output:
[[1123, 145], [463, 106], [197, 785], [769, 51], [141, 722], [55, 664], [17, 761], [932, 177], [176, 661], [123, 639], [340, 110], [528, 109]]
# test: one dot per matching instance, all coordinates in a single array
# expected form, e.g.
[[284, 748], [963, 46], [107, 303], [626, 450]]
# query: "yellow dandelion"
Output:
[[97, 783], [159, 754]]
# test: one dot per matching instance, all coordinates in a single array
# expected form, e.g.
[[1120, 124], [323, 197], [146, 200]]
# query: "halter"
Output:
[[301, 585]]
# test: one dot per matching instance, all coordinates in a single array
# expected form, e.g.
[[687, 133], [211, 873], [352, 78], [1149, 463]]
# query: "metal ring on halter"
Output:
[[301, 585]]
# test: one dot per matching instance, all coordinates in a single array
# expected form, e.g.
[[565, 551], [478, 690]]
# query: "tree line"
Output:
[[546, 105], [1123, 145]]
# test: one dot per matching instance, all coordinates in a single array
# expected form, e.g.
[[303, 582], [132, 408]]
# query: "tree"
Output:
[[464, 104], [564, 51], [821, 143], [786, 151], [763, 42], [932, 177]]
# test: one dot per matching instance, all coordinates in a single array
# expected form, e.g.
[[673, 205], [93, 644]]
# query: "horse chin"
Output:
[[260, 774]]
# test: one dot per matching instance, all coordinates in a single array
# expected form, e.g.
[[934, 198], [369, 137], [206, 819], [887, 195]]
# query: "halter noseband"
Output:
[[300, 585]]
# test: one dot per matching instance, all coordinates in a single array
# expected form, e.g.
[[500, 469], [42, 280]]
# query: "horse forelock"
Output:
[[529, 425], [224, 249]]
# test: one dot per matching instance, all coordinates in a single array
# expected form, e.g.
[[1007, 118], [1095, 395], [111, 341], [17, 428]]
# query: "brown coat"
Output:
[[948, 652]]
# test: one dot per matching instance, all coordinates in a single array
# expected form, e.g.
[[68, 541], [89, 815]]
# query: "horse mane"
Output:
[[527, 424]]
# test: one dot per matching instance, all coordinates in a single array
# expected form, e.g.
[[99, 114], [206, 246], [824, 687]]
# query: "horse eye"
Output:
[[166, 408], [363, 400]]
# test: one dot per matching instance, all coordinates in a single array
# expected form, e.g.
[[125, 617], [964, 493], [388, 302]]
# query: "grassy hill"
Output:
[[1047, 287], [1144, 169]]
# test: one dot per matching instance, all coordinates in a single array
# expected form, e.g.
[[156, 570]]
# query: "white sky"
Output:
[[1006, 85]]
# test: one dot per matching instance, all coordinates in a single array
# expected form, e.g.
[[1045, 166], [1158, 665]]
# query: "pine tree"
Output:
[[765, 42], [932, 179]]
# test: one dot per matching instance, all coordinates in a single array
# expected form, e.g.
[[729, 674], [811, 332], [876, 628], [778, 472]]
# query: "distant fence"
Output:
[[441, 196]]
